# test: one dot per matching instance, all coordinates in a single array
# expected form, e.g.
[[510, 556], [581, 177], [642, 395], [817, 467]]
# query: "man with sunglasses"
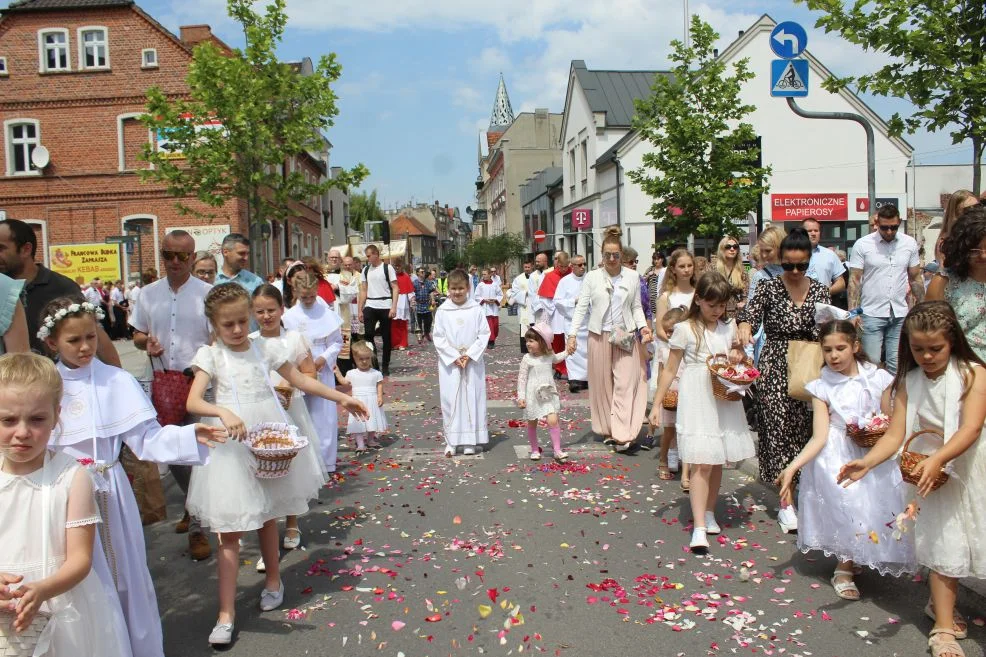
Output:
[[169, 323], [884, 266]]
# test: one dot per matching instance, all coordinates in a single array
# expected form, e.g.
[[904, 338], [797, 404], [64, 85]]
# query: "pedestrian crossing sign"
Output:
[[789, 78]]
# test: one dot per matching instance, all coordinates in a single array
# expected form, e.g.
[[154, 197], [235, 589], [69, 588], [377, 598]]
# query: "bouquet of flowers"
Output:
[[730, 381], [865, 431]]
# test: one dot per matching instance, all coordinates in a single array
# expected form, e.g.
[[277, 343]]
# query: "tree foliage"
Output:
[[701, 171], [938, 61], [495, 250], [246, 114]]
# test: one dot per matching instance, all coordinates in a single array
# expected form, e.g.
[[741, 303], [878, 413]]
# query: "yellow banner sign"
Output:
[[84, 262]]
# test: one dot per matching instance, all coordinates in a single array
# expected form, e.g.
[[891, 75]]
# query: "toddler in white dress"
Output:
[[367, 386], [536, 391]]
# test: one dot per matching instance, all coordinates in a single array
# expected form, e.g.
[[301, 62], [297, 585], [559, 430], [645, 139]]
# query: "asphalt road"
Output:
[[416, 555]]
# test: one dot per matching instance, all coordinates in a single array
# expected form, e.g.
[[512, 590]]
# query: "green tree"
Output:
[[495, 250], [364, 207], [264, 112], [938, 62], [700, 172], [451, 259]]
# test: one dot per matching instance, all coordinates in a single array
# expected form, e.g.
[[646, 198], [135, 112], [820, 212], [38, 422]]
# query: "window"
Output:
[[53, 47], [148, 58], [94, 49], [3, 66], [23, 136], [585, 160]]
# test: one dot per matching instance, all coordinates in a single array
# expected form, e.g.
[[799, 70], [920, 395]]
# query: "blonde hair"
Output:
[[612, 235], [772, 236], [221, 295], [734, 274], [670, 278], [952, 209], [304, 281], [31, 371], [361, 348]]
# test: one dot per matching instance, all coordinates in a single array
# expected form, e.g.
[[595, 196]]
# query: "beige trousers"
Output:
[[617, 389]]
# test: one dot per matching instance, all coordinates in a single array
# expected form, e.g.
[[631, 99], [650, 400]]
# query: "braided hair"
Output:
[[221, 295], [932, 317]]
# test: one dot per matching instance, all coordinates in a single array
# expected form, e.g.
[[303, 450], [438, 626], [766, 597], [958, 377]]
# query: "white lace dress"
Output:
[[365, 389], [87, 620], [710, 431], [536, 385], [224, 494], [838, 520]]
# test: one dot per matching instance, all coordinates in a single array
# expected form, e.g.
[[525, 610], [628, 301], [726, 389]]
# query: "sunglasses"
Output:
[[731, 247], [611, 256], [630, 262], [791, 266], [171, 255], [890, 229]]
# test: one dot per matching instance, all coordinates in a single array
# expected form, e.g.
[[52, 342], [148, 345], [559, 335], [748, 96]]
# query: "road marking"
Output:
[[523, 452], [403, 407], [409, 455], [404, 379]]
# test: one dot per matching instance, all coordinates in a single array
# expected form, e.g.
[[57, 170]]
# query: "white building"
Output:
[[812, 160]]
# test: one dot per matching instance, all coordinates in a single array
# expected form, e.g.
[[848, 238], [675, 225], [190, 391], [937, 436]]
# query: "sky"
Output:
[[419, 76]]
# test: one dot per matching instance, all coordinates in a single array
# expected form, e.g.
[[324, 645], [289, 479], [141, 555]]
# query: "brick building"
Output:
[[73, 78]]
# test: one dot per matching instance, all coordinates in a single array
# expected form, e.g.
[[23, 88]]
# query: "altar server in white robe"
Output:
[[461, 334], [103, 408], [322, 326], [566, 297], [517, 295]]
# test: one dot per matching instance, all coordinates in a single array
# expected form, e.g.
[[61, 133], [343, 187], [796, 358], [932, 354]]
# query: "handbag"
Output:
[[169, 395], [804, 364], [26, 643], [623, 339]]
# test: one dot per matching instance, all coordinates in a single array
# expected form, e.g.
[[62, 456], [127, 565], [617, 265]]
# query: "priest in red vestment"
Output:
[[547, 293], [405, 306]]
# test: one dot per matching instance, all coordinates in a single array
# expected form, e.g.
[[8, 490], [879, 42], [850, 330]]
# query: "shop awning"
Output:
[[343, 250]]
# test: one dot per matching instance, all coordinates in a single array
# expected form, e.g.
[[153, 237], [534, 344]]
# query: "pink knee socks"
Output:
[[532, 437], [555, 438]]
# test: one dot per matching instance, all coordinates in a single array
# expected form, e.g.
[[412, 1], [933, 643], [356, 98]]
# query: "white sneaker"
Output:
[[271, 600], [673, 461], [787, 518], [261, 566], [561, 456], [700, 543], [536, 454], [222, 634], [711, 526], [468, 451]]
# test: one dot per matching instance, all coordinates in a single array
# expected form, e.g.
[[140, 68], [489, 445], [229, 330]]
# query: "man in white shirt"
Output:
[[883, 266], [378, 302], [517, 295], [333, 271], [566, 297], [824, 266], [534, 309], [91, 293], [169, 323]]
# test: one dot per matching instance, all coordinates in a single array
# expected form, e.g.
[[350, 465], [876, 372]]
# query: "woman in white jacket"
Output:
[[617, 385]]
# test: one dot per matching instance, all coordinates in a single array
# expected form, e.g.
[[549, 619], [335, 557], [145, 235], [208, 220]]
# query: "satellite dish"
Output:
[[40, 157]]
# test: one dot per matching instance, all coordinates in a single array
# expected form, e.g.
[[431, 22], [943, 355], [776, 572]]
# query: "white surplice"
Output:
[[104, 407], [534, 308], [462, 330], [566, 297], [489, 291], [517, 294], [322, 327]]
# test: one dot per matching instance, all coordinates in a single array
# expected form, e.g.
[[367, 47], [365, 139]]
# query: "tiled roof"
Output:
[[613, 92], [415, 227], [39, 5]]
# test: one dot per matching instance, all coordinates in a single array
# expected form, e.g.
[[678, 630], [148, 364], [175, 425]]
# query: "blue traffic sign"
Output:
[[789, 78], [788, 40]]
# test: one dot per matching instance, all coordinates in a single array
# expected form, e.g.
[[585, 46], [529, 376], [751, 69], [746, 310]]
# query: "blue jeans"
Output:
[[882, 334]]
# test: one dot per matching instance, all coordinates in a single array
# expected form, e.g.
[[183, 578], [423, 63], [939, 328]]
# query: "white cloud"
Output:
[[490, 60]]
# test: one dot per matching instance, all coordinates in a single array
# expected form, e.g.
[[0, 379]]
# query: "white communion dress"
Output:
[[536, 385], [365, 389], [103, 408], [86, 620], [838, 520], [224, 494]]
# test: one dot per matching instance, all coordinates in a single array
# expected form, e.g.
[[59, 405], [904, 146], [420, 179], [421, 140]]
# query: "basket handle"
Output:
[[930, 432]]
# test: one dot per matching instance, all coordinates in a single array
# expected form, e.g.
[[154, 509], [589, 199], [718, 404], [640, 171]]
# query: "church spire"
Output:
[[503, 113]]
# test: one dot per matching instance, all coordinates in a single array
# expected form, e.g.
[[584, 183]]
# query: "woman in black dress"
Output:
[[786, 307]]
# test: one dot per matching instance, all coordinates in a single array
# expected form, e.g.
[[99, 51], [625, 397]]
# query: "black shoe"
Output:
[[646, 443], [577, 386], [557, 375], [386, 371]]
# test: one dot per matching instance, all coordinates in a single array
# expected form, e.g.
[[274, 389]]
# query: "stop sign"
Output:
[[540, 236]]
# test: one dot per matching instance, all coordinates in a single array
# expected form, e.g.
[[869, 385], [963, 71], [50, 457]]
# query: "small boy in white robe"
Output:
[[489, 295], [461, 334]]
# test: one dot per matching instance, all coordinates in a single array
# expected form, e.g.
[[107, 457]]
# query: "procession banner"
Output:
[[84, 262]]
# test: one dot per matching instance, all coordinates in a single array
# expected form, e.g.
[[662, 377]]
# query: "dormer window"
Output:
[[148, 58], [53, 50], [94, 48]]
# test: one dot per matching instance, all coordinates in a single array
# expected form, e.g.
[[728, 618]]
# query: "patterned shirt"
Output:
[[422, 295]]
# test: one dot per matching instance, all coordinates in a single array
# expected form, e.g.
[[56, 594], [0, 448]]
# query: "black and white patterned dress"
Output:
[[785, 422]]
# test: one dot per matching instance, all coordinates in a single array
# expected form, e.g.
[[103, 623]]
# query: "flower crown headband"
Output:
[[49, 323]]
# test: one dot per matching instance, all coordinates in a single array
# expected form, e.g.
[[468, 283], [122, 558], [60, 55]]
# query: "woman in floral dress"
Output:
[[786, 307], [963, 283]]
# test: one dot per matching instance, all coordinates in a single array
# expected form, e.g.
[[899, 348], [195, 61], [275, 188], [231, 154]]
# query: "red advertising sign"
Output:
[[797, 207], [582, 218], [539, 236]]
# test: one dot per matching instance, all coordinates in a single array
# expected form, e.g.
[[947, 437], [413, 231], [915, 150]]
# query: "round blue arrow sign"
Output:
[[788, 40]]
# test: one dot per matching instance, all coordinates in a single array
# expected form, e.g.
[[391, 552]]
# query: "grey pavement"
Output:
[[417, 555]]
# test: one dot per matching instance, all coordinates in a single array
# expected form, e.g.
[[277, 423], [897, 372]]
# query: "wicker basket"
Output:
[[718, 387], [909, 460], [284, 394], [865, 438], [670, 401], [13, 644], [274, 446]]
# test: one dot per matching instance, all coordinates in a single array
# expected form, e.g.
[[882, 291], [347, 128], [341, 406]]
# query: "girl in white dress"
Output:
[[322, 327], [103, 408], [665, 462], [48, 520], [711, 432], [536, 391], [856, 526], [268, 307], [940, 385], [224, 493], [367, 386]]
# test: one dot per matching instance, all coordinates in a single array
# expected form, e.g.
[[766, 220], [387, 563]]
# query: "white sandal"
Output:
[[844, 589], [291, 542]]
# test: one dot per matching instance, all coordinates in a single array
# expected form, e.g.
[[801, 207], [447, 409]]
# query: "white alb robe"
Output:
[[322, 327], [489, 291], [517, 294], [103, 408], [534, 308], [566, 298], [462, 330]]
